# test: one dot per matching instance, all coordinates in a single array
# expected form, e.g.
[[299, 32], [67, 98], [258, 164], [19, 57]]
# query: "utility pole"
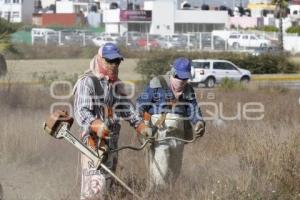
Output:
[[280, 11], [9, 13]]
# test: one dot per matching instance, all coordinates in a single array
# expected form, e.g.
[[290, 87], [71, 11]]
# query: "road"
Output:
[[285, 84]]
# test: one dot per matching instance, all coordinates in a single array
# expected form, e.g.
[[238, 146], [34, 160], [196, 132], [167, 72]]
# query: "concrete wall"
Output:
[[148, 5], [64, 7], [295, 8], [111, 16], [27, 10], [65, 19], [123, 28], [292, 43], [163, 17], [245, 22], [94, 19], [201, 16], [112, 28]]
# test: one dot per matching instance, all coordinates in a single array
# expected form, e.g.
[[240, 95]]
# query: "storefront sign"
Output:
[[135, 15]]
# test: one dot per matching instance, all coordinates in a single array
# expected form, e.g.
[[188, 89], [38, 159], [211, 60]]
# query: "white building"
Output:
[[93, 17], [74, 6], [260, 8], [294, 11], [17, 10], [106, 4], [163, 17], [260, 1]]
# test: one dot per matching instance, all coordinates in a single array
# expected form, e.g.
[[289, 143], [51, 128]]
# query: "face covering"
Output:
[[112, 74], [177, 86]]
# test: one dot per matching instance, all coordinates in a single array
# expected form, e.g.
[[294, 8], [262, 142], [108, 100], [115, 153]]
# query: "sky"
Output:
[[228, 3]]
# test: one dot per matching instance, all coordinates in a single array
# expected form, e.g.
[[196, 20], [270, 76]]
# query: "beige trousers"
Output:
[[164, 159], [95, 184]]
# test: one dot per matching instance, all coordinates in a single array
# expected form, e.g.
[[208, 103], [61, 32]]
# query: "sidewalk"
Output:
[[276, 77]]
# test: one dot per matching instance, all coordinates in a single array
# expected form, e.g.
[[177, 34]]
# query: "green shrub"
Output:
[[229, 84], [268, 28], [7, 27], [294, 29], [158, 62]]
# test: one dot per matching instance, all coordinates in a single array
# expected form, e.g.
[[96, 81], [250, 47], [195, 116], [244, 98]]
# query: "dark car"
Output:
[[267, 50]]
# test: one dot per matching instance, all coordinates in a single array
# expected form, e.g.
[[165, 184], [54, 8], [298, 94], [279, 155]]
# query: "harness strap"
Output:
[[98, 88], [163, 82]]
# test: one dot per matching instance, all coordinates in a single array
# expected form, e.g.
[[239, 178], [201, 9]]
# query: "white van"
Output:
[[211, 72], [247, 40]]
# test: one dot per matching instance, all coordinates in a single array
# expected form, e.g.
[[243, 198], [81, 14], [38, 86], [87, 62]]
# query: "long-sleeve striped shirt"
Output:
[[89, 106]]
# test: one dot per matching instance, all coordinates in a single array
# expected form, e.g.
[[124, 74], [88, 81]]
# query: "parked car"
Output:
[[211, 72], [150, 42], [218, 42], [114, 36], [172, 42], [169, 44], [247, 40], [134, 35], [99, 41], [129, 38], [267, 50]]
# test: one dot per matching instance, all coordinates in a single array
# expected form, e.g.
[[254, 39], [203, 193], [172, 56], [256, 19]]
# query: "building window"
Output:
[[16, 1], [15, 15], [6, 15], [144, 28], [7, 1]]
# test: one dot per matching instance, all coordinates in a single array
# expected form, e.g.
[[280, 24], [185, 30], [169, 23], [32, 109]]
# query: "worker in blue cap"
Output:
[[168, 104], [99, 105]]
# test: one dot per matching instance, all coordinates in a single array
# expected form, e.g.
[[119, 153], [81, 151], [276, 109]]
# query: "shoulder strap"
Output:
[[163, 82], [98, 89]]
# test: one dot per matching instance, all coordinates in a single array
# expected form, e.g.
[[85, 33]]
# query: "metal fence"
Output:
[[64, 38], [203, 41]]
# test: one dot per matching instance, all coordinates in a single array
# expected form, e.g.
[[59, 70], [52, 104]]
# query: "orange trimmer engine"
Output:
[[56, 120]]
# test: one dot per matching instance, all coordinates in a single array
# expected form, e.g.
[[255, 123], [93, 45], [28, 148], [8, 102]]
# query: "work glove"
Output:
[[144, 130], [100, 128], [199, 128]]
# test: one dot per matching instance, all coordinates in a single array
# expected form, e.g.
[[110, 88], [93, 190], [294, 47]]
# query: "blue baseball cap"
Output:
[[110, 51], [182, 68]]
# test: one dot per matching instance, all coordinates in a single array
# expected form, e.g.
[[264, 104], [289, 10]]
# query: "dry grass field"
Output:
[[236, 159], [24, 70]]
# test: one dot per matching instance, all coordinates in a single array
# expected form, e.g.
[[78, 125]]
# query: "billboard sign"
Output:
[[135, 15]]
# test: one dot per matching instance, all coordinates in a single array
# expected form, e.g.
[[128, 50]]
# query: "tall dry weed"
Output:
[[241, 159]]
